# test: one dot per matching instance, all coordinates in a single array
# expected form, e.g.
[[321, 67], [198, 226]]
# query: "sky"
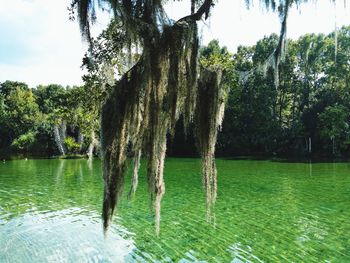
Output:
[[40, 45]]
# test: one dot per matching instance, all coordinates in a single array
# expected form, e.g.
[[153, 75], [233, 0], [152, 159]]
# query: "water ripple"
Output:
[[74, 237]]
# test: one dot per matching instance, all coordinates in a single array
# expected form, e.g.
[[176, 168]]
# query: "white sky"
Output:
[[39, 45]]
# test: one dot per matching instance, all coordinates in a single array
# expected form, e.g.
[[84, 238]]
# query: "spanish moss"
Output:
[[144, 107], [212, 94], [135, 174]]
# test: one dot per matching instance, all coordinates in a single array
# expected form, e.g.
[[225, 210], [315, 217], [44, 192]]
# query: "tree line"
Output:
[[306, 114], [47, 120]]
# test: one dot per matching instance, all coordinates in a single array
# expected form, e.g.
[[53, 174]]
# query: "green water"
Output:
[[266, 212]]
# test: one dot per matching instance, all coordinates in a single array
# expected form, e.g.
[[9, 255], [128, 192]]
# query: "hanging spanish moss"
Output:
[[60, 133], [336, 32], [211, 99], [278, 55], [144, 107]]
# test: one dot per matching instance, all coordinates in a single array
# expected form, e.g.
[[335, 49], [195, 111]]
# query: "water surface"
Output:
[[266, 212]]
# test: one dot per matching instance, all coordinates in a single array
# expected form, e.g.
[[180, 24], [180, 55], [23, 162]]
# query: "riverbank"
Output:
[[5, 157], [273, 158]]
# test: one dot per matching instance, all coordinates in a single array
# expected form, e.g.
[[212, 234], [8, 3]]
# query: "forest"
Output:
[[307, 114]]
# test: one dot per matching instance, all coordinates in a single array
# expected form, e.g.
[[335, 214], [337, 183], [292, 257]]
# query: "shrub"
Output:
[[24, 141], [72, 145]]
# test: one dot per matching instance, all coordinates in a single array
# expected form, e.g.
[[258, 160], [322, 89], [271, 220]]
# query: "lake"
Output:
[[266, 211]]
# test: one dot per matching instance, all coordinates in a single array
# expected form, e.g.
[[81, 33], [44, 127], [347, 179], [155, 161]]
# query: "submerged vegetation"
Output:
[[299, 209]]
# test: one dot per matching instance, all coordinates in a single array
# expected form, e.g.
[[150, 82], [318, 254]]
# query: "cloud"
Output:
[[39, 45]]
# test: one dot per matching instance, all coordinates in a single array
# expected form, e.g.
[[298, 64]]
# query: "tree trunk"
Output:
[[58, 139], [310, 145], [63, 131], [80, 139], [306, 145], [90, 151]]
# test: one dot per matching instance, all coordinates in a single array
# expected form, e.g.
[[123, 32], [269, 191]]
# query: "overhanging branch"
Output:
[[202, 10]]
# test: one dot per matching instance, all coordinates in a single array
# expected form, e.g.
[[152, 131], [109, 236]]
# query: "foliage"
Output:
[[72, 145], [28, 117], [213, 55], [8, 86], [21, 113], [334, 123], [259, 119], [24, 141]]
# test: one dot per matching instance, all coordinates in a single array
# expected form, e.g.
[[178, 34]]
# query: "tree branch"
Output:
[[203, 9]]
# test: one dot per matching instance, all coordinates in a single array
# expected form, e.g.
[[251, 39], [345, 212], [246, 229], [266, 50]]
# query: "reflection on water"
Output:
[[241, 254], [309, 229], [62, 236], [265, 212]]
